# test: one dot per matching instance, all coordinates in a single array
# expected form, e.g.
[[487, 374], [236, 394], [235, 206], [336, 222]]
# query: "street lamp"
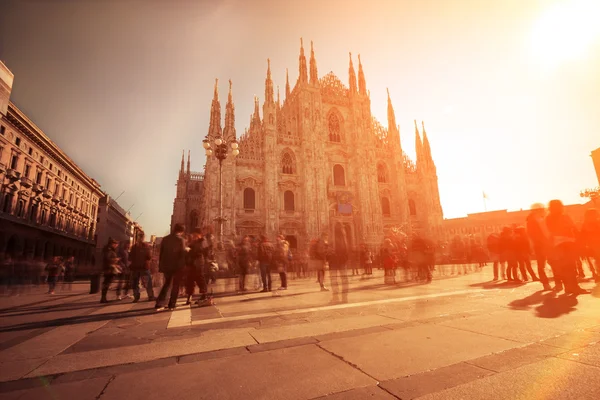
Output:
[[221, 150]]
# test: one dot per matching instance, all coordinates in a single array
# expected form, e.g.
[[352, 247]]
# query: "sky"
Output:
[[508, 90]]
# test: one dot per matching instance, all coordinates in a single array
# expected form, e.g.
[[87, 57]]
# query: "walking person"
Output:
[[69, 273], [171, 263], [564, 252], [338, 274], [523, 253], [125, 275], [139, 258], [265, 259], [195, 266], [52, 272], [590, 240], [493, 245], [110, 266], [283, 255], [244, 259], [320, 252], [540, 236]]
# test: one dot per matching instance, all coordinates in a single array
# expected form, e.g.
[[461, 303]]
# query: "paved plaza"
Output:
[[462, 336]]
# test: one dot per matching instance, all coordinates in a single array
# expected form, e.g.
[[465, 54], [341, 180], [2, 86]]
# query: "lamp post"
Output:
[[220, 148]]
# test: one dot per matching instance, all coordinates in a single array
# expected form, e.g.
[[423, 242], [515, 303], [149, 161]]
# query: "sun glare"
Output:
[[565, 32]]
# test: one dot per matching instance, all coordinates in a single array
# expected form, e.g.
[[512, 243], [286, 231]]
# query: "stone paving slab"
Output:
[[517, 357], [207, 341], [574, 340], [12, 370], [552, 378], [414, 386], [403, 352], [294, 373], [364, 393], [589, 355], [516, 325], [318, 328], [89, 389]]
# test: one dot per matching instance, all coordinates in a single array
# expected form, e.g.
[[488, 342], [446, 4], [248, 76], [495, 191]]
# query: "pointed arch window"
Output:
[[335, 134], [288, 201], [249, 199], [193, 219], [287, 164], [382, 173], [412, 207], [339, 176], [385, 207]]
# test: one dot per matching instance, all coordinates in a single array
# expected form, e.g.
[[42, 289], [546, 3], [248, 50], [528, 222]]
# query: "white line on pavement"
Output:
[[326, 308]]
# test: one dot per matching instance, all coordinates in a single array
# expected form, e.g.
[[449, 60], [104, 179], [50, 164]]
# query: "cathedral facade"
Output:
[[316, 161]]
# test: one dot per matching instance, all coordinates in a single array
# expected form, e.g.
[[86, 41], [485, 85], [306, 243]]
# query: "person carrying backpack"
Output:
[[282, 260], [265, 259]]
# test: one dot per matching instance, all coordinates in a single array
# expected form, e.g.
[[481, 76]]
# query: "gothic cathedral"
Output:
[[317, 162]]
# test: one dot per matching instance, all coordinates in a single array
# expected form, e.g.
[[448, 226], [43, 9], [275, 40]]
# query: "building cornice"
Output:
[[35, 134]]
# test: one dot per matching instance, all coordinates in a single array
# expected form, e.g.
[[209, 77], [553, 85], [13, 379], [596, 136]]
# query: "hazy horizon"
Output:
[[508, 90]]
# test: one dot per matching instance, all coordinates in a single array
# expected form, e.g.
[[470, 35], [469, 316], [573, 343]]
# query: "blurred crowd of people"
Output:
[[21, 275], [552, 238]]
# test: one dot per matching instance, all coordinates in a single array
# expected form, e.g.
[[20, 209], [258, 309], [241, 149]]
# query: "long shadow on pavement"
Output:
[[81, 319], [498, 284]]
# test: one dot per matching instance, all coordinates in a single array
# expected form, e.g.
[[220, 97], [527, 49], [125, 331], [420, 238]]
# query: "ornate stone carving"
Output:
[[333, 90]]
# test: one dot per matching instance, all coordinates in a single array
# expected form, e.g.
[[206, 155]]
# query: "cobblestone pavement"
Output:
[[462, 336]]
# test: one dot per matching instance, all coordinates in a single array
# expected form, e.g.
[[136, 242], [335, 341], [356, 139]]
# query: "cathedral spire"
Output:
[[352, 76], [287, 85], [418, 145], [362, 84], [390, 112], [314, 76], [269, 85], [188, 163], [182, 159], [426, 147], [303, 78], [278, 98], [214, 128], [229, 129]]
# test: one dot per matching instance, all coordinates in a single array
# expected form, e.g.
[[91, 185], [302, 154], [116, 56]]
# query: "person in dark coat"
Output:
[[539, 235], [564, 251], [171, 263], [195, 265], [523, 253], [110, 266], [140, 257]]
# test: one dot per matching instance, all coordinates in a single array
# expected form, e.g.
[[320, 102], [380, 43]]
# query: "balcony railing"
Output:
[[38, 188], [26, 182], [13, 174]]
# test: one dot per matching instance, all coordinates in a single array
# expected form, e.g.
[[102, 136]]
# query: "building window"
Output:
[[412, 207], [33, 212], [48, 183], [7, 206], [18, 141], [30, 150], [382, 174], [38, 177], [27, 169], [20, 208], [334, 128], [339, 177], [43, 218], [71, 199], [249, 199], [193, 219], [287, 164], [13, 161], [64, 196], [288, 201], [2, 129], [385, 206]]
